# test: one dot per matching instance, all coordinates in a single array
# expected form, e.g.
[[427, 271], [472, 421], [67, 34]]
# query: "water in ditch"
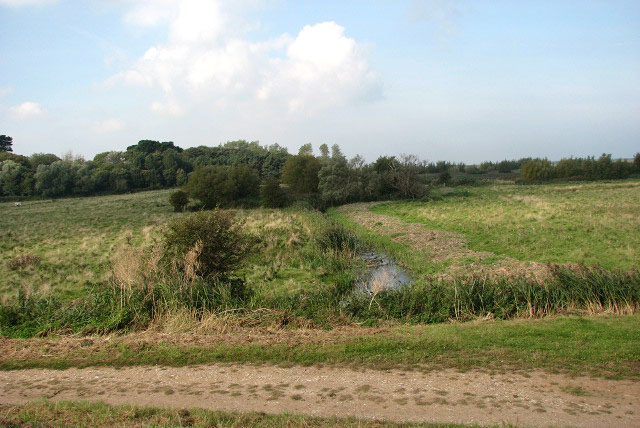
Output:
[[382, 273]]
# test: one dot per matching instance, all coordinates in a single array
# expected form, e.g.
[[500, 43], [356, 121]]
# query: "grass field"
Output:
[[590, 223], [75, 239]]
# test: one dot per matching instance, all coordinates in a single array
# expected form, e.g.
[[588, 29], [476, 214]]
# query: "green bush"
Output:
[[214, 238], [179, 200]]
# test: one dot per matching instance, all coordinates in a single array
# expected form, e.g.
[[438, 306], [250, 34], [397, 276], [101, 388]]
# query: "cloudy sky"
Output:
[[444, 79]]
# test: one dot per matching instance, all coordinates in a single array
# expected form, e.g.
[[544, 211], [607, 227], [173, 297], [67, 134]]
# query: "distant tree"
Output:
[[22, 160], [324, 152], [333, 178], [306, 149], [300, 173], [56, 179], [11, 176], [222, 185], [406, 179], [537, 170], [383, 168], [181, 177], [5, 143], [273, 196], [636, 163], [505, 166], [179, 200]]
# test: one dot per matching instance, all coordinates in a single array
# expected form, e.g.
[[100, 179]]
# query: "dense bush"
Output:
[[214, 240], [179, 200]]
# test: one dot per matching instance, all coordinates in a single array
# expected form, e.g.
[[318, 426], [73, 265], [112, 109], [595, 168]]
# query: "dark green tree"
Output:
[[300, 173], [5, 143]]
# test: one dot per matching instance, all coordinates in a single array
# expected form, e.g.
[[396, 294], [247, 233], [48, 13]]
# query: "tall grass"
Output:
[[570, 290], [111, 308]]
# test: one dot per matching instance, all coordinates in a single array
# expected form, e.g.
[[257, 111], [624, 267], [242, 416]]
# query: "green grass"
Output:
[[85, 414], [75, 238], [606, 346], [593, 223]]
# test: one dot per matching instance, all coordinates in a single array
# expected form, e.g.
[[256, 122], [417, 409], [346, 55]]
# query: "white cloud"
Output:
[[108, 126], [27, 110], [323, 68], [148, 13], [18, 3], [207, 61]]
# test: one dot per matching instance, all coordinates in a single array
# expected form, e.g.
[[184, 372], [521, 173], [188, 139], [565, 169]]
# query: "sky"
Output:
[[456, 80]]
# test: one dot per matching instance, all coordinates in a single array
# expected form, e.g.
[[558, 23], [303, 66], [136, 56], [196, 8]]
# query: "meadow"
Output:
[[96, 272], [588, 223]]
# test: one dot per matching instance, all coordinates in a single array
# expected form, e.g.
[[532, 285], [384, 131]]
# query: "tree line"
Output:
[[247, 174], [146, 165]]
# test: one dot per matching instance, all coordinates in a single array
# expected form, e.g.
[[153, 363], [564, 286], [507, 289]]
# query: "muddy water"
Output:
[[382, 273]]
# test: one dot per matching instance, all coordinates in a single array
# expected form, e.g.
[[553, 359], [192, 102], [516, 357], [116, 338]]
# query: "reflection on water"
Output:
[[382, 273]]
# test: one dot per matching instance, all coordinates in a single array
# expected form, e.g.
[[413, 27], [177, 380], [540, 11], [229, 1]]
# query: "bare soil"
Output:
[[443, 246], [534, 399]]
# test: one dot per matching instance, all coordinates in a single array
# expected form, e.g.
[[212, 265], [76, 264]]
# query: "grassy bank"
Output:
[[85, 414], [605, 346]]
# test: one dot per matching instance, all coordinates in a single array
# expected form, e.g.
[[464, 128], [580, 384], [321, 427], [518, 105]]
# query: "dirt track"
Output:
[[446, 396]]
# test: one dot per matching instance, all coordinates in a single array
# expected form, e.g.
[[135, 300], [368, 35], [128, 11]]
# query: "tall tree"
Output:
[[5, 143], [300, 173]]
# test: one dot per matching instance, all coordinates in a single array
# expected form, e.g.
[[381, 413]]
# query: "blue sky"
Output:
[[444, 79]]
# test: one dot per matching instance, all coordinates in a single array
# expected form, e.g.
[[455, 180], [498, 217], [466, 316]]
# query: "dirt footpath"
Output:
[[447, 396]]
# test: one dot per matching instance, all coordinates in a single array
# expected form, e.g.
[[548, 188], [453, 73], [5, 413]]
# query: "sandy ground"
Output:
[[537, 399]]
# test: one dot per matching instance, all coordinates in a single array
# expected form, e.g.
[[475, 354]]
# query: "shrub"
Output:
[[221, 244], [179, 199]]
